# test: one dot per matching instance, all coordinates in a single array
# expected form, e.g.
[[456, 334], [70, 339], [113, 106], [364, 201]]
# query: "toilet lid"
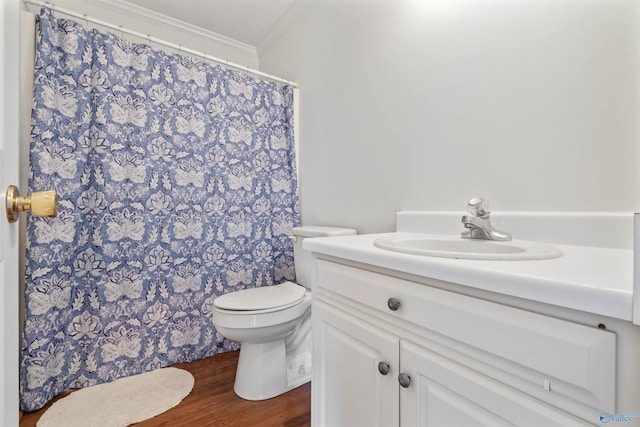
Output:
[[284, 294]]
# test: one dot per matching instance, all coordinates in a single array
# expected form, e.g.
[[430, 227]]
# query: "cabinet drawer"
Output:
[[556, 360]]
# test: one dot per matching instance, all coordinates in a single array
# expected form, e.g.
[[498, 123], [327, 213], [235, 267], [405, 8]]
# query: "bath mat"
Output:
[[122, 402]]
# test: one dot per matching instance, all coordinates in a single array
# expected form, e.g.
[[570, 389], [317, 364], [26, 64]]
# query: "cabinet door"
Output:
[[443, 393], [348, 388]]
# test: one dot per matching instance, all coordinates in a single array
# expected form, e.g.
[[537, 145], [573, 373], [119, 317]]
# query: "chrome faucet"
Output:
[[479, 224]]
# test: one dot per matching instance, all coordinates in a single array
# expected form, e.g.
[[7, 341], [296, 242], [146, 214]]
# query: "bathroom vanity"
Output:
[[407, 340]]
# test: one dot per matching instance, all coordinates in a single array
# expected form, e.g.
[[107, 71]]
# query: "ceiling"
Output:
[[247, 21]]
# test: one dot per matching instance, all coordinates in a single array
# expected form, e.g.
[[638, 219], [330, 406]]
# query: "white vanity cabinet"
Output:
[[392, 352]]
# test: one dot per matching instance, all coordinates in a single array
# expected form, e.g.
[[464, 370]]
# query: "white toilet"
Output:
[[273, 326]]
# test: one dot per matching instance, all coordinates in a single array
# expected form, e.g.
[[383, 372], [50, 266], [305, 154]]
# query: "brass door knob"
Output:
[[42, 203]]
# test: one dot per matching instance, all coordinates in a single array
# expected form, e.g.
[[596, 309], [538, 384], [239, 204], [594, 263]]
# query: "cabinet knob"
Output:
[[404, 380], [393, 303], [384, 368]]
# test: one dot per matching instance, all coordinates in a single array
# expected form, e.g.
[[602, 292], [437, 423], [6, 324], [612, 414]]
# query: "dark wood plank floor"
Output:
[[213, 402]]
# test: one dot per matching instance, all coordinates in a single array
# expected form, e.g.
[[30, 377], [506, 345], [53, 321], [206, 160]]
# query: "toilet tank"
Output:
[[303, 259]]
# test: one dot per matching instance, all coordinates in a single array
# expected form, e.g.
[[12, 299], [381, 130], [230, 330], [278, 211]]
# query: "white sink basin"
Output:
[[457, 247]]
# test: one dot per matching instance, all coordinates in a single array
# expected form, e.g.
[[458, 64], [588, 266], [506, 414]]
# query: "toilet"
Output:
[[273, 326]]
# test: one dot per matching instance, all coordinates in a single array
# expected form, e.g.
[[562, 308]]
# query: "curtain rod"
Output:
[[152, 39]]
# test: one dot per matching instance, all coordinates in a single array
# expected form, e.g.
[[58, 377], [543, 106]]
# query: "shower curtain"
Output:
[[177, 184]]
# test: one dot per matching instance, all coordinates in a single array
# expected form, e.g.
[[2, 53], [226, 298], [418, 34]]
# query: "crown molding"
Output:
[[281, 26], [152, 17]]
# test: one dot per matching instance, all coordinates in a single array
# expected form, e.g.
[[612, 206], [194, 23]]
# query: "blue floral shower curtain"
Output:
[[177, 184]]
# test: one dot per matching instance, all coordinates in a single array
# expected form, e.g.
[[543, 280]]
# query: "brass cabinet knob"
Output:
[[42, 203]]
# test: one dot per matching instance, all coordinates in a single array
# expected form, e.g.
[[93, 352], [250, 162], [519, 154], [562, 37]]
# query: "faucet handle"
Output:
[[478, 207]]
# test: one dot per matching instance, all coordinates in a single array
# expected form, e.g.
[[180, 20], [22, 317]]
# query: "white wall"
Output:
[[532, 104]]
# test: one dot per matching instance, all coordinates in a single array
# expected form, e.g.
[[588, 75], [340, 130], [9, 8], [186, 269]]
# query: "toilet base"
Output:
[[264, 372]]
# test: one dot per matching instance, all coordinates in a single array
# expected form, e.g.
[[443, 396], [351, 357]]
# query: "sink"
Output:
[[457, 247]]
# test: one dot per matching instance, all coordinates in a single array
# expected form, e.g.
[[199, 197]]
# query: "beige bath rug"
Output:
[[122, 402]]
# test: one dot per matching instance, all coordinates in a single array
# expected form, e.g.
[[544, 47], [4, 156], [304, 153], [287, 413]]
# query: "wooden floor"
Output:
[[213, 402]]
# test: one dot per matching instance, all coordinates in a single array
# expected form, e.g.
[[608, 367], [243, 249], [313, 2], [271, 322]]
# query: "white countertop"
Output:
[[591, 279]]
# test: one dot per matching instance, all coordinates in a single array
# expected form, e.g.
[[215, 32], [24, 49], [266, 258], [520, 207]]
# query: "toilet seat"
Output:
[[262, 300], [261, 318]]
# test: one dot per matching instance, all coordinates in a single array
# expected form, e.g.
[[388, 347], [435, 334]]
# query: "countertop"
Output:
[[591, 279]]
